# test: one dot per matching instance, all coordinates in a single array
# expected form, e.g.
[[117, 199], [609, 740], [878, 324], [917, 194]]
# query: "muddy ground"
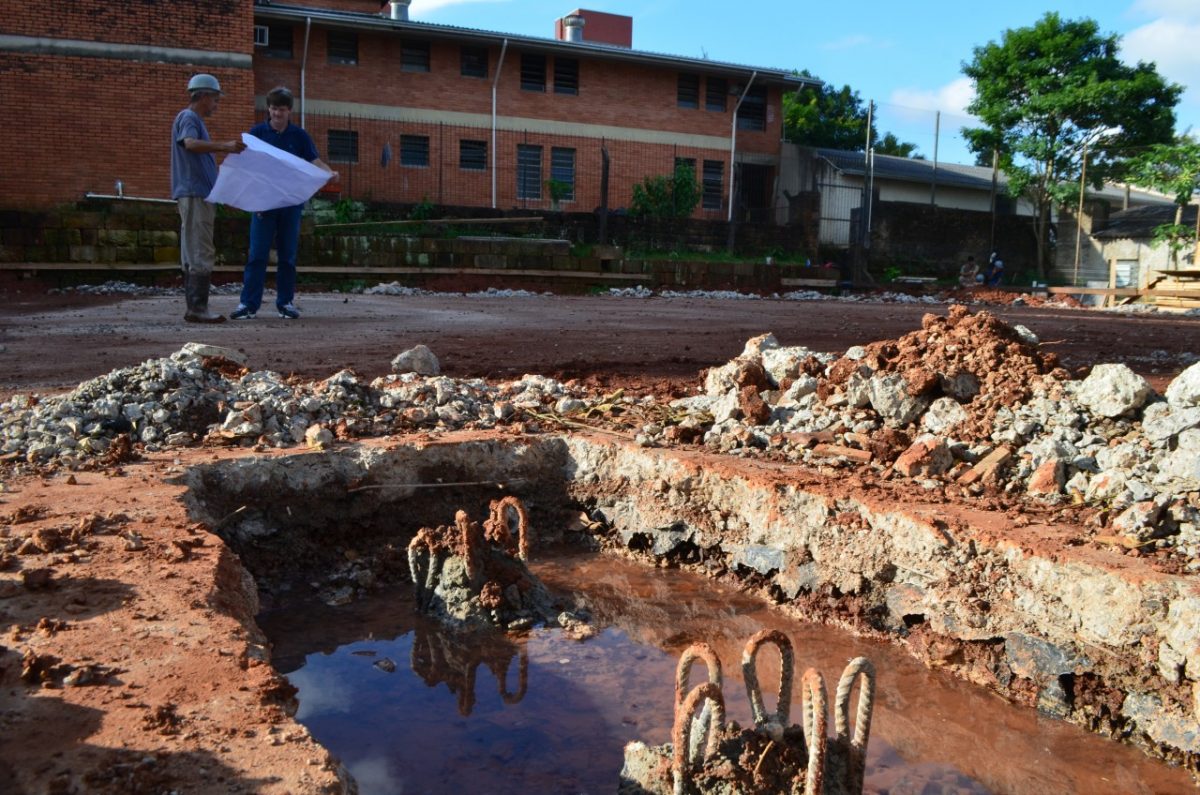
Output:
[[129, 660]]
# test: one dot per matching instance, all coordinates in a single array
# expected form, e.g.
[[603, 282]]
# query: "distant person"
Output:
[[995, 271], [193, 172], [280, 227], [966, 274]]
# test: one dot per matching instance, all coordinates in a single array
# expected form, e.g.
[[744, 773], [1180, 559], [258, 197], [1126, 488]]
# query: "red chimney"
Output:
[[599, 28]]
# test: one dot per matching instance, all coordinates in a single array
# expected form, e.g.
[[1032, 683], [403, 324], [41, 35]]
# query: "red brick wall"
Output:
[[74, 124], [620, 94], [222, 25], [610, 93]]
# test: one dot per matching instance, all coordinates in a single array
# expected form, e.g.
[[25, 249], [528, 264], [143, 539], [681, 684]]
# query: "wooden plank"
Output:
[[433, 221], [89, 266], [333, 269], [785, 282]]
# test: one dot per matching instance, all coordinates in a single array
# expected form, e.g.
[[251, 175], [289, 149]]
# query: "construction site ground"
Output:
[[141, 599]]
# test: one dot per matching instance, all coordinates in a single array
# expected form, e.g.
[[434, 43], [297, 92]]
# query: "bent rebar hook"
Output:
[[783, 706], [855, 748], [682, 770]]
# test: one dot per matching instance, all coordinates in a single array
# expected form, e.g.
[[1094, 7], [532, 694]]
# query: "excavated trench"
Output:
[[324, 535]]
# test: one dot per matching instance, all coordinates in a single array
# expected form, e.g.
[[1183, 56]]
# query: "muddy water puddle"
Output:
[[412, 708]]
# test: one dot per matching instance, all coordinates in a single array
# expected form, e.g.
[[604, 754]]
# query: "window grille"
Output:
[[472, 155], [414, 150], [342, 146], [529, 171], [474, 62], [343, 47], [688, 95], [562, 170], [414, 56], [533, 72], [566, 75], [714, 171]]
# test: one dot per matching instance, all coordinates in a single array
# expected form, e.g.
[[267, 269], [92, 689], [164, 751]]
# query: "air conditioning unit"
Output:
[[262, 36]]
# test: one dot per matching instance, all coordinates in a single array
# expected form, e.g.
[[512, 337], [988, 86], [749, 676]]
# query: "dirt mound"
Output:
[[976, 359]]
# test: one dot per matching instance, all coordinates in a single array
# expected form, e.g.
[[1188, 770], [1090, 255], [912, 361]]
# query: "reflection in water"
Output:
[[440, 657], [561, 726]]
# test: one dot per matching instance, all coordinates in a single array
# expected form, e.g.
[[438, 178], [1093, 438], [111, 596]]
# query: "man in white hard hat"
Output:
[[193, 172]]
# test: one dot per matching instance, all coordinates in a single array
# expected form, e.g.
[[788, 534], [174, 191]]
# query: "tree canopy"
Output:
[[1050, 92], [834, 118], [1172, 168]]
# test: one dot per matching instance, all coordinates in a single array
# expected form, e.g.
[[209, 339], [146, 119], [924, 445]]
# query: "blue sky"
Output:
[[906, 56]]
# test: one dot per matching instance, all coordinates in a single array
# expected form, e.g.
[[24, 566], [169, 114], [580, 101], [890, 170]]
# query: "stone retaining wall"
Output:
[[125, 234]]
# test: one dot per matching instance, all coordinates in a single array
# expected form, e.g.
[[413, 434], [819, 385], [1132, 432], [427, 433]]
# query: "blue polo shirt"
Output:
[[293, 139]]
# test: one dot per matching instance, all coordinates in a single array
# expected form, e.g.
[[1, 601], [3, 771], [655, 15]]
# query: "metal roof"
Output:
[[356, 20], [905, 169], [1139, 222]]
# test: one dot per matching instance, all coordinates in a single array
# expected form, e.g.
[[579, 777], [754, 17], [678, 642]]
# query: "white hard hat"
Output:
[[203, 82]]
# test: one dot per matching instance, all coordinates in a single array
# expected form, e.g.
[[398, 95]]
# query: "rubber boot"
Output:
[[195, 290]]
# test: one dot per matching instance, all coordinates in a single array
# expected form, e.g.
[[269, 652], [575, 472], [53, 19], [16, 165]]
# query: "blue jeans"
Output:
[[281, 229]]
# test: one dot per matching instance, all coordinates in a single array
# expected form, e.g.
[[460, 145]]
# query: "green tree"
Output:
[[834, 118], [1173, 168], [1055, 93], [889, 144], [667, 196]]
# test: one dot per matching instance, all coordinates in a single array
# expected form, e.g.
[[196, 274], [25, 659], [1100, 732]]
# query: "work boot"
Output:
[[195, 290]]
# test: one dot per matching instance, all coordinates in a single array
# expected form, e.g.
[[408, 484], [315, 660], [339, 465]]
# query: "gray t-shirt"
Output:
[[191, 174]]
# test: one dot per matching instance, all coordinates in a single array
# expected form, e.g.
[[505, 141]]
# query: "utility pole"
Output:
[[1079, 216]]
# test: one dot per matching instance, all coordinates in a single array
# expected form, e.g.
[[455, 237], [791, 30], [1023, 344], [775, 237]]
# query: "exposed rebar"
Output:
[[783, 706], [816, 722], [681, 769], [855, 748]]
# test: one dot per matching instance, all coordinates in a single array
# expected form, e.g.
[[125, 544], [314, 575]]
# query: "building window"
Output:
[[343, 47], [472, 155], [562, 171], [533, 72], [342, 146], [279, 41], [414, 150], [688, 95], [566, 76], [753, 113], [714, 171], [414, 56], [716, 90], [529, 171], [474, 62]]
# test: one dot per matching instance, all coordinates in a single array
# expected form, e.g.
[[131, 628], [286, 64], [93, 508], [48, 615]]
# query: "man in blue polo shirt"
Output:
[[279, 227]]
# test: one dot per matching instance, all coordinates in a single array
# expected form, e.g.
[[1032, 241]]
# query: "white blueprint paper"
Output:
[[264, 177]]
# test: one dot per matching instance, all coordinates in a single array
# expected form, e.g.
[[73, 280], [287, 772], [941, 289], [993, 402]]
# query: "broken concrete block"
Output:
[[318, 437], [201, 350], [1111, 390], [1048, 478], [928, 456], [942, 415], [962, 385], [890, 399], [417, 359], [1184, 391], [756, 345]]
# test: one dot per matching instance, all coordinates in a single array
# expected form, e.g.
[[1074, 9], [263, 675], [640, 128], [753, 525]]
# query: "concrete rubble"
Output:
[[964, 410]]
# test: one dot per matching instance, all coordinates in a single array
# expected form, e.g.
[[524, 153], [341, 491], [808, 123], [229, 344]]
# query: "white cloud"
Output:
[[1171, 46], [1180, 10], [950, 98]]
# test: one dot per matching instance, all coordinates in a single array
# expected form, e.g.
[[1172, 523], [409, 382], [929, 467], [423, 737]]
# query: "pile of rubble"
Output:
[[970, 401], [204, 393], [967, 404]]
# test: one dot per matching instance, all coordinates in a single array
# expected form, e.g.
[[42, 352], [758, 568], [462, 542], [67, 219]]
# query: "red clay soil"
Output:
[[129, 660]]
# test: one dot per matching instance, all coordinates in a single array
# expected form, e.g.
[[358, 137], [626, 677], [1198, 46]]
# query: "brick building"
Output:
[[408, 111]]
